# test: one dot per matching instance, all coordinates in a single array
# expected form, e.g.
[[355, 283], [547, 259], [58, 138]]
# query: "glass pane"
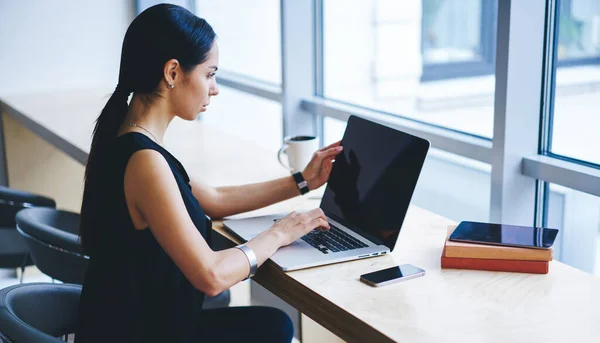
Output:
[[577, 217], [451, 31], [249, 36], [461, 192], [579, 29], [255, 119], [429, 60], [576, 123]]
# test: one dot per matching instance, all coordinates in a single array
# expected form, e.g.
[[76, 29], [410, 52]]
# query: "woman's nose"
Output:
[[214, 90]]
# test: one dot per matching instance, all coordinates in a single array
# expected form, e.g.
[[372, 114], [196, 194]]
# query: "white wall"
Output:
[[63, 44]]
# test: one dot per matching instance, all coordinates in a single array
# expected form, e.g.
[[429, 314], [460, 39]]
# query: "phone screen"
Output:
[[501, 234], [393, 273]]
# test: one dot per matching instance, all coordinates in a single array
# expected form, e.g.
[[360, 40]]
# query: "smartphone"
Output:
[[508, 235], [392, 275]]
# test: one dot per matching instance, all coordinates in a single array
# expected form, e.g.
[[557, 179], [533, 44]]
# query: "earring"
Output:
[[171, 86]]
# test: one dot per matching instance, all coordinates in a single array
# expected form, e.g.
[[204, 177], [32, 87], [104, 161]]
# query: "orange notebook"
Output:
[[483, 251], [534, 267]]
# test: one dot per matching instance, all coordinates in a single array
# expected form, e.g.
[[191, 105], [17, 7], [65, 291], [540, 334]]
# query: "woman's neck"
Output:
[[154, 118]]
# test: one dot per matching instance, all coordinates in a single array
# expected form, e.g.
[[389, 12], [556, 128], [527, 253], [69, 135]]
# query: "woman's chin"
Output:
[[190, 117], [203, 109]]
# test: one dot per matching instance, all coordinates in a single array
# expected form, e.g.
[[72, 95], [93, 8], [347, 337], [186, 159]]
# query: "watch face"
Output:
[[301, 183]]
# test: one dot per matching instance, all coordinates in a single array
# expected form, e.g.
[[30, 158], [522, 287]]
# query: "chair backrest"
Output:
[[38, 312], [53, 240], [12, 200]]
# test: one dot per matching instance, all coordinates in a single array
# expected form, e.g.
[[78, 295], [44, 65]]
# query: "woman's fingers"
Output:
[[331, 146], [317, 219], [329, 153], [295, 225], [333, 151], [317, 224]]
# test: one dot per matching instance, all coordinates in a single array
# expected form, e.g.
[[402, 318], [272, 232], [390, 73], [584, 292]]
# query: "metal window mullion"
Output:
[[246, 85], [547, 110], [319, 65], [550, 65], [298, 65], [568, 174], [475, 148], [517, 108]]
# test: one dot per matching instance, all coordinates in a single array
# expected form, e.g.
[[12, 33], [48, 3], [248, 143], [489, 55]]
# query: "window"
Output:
[[575, 120], [255, 119], [458, 38], [573, 128], [579, 32], [577, 217], [379, 53], [249, 36], [461, 192]]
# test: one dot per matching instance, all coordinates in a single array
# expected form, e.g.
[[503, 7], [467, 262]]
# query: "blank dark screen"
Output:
[[505, 234], [373, 179]]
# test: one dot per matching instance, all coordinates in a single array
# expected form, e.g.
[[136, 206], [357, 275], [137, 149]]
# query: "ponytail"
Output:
[[110, 119], [105, 131]]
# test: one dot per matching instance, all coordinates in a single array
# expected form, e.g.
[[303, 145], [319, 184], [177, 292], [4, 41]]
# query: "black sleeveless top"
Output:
[[133, 291]]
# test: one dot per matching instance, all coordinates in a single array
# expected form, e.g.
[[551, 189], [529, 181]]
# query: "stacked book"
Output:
[[461, 255]]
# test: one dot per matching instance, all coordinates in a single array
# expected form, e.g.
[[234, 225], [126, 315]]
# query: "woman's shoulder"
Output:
[[147, 161], [131, 143]]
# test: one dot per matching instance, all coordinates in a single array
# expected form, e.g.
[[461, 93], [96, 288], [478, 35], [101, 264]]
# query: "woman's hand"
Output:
[[295, 225], [318, 169]]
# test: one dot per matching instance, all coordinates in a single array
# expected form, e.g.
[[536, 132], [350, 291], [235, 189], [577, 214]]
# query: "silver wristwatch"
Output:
[[251, 259]]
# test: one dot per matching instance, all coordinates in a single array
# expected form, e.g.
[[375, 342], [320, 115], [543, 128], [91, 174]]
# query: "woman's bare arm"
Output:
[[154, 201], [225, 201]]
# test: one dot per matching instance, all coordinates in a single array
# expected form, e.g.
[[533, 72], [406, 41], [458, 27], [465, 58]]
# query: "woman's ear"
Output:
[[171, 70]]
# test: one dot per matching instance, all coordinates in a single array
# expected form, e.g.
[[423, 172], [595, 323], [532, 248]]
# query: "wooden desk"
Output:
[[445, 305]]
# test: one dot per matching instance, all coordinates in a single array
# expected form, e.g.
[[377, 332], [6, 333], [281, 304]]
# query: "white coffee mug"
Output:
[[299, 150]]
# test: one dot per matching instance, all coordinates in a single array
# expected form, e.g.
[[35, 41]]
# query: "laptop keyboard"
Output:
[[332, 240]]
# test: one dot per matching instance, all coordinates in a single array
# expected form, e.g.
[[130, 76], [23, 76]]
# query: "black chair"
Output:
[[13, 251], [38, 312], [53, 240]]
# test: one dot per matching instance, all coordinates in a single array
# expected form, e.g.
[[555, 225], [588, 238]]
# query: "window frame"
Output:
[[452, 70]]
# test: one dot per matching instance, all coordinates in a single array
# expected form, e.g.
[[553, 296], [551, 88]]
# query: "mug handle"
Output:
[[283, 151]]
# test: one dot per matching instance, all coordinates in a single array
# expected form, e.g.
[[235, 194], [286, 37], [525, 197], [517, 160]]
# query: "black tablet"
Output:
[[501, 234]]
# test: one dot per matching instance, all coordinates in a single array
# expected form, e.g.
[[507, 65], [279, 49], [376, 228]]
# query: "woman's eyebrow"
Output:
[[214, 67]]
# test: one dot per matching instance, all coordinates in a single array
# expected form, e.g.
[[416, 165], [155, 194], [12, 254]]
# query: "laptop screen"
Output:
[[373, 180]]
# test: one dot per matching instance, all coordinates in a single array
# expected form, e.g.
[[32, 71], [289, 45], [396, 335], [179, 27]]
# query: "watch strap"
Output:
[[301, 183]]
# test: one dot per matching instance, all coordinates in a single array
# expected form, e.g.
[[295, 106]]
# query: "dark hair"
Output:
[[158, 34]]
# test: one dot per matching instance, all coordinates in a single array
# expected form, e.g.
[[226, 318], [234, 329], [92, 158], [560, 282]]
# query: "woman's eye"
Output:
[[211, 75]]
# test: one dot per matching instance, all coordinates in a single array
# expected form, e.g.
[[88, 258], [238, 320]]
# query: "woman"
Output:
[[143, 218]]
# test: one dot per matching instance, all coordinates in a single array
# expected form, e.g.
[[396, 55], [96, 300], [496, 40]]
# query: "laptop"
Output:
[[366, 199]]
